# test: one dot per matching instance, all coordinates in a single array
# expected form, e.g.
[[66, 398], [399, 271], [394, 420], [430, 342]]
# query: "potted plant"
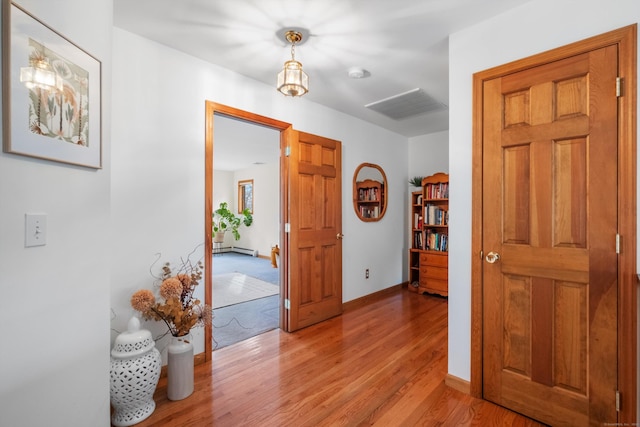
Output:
[[224, 220], [416, 181]]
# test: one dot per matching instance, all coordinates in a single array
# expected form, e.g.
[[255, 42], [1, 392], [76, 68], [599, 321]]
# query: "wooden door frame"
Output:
[[625, 39], [211, 109]]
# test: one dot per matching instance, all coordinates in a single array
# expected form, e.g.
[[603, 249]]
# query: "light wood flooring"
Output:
[[382, 363]]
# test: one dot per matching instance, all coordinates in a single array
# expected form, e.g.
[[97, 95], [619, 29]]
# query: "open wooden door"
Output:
[[550, 224], [314, 239]]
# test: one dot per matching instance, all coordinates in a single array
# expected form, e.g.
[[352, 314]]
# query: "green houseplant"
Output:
[[416, 181], [223, 220]]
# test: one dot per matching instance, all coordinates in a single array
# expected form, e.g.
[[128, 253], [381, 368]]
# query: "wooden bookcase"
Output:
[[368, 197], [428, 256], [416, 240]]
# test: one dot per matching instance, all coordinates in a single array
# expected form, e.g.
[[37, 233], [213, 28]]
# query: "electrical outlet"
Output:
[[366, 273]]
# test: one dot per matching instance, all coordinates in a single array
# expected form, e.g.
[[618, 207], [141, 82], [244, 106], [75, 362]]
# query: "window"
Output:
[[245, 195]]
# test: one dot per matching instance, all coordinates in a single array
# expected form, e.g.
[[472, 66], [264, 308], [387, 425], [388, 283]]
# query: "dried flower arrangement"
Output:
[[179, 311]]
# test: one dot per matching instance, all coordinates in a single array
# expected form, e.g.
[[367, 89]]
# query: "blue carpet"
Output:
[[259, 268], [239, 322]]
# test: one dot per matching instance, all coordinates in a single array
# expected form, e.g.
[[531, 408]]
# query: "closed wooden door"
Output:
[[314, 290], [549, 240]]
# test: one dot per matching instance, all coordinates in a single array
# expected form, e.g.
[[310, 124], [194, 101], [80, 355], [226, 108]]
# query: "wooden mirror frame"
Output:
[[359, 203]]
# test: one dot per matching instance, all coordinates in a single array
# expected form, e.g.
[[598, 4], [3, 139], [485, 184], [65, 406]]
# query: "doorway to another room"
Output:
[[309, 213], [246, 298], [245, 282]]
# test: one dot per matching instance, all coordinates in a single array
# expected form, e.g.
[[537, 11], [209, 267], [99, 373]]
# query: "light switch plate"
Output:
[[35, 230]]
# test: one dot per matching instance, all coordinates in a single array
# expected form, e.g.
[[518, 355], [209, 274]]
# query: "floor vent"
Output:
[[408, 104]]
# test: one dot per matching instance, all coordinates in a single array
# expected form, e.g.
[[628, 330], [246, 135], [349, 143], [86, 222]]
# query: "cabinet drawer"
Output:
[[436, 287], [430, 272], [434, 259]]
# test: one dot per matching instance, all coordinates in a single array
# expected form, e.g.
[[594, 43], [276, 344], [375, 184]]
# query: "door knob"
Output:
[[492, 257], [339, 236]]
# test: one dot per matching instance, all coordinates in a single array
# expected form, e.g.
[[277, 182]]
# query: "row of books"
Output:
[[431, 240], [437, 191], [417, 220], [435, 215], [369, 211], [369, 194]]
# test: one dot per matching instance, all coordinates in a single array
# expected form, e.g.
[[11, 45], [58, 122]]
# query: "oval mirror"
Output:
[[369, 192]]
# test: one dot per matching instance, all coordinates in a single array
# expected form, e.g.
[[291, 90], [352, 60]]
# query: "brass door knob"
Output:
[[492, 257]]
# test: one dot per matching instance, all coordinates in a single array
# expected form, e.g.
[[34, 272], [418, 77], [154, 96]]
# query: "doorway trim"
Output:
[[211, 109], [626, 40]]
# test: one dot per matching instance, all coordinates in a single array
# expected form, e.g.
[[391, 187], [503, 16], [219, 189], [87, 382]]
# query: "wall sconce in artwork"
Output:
[[40, 74]]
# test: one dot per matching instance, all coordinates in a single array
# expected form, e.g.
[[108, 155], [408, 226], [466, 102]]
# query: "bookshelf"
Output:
[[428, 256], [369, 195], [416, 240]]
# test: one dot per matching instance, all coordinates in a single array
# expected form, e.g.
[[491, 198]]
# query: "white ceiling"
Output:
[[403, 44], [238, 145]]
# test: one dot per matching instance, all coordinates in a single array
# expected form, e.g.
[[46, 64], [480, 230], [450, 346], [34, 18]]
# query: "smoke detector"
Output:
[[358, 73]]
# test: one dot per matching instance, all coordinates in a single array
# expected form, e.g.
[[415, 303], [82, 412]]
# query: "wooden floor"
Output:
[[381, 364]]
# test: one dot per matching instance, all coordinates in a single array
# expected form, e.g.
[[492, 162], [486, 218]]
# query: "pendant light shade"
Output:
[[292, 81]]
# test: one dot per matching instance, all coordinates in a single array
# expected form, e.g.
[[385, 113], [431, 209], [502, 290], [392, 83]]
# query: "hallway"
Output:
[[382, 363]]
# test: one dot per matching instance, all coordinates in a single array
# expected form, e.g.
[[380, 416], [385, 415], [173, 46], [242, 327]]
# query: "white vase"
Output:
[[135, 370], [180, 368]]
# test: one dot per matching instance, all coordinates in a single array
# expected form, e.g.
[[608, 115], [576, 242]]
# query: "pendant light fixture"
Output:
[[292, 81]]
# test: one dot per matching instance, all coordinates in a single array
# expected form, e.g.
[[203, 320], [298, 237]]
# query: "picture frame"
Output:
[[245, 195], [62, 124]]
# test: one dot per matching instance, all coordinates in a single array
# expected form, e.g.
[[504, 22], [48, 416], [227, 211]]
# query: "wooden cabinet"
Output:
[[368, 197], [428, 256]]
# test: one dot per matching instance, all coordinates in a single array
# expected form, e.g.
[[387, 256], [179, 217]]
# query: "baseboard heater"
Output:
[[245, 251]]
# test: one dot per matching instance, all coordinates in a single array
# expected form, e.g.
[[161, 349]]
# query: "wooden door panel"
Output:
[[516, 294], [315, 212], [570, 193], [550, 197]]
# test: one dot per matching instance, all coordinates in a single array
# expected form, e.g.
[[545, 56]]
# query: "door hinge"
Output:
[[618, 244], [287, 227], [617, 400], [287, 151], [618, 87], [287, 304]]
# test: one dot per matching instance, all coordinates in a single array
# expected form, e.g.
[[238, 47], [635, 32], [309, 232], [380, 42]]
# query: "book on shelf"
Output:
[[436, 241], [369, 211], [437, 191], [417, 240], [368, 194], [434, 215], [417, 220]]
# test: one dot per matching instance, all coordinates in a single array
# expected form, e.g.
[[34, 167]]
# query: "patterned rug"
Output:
[[235, 288]]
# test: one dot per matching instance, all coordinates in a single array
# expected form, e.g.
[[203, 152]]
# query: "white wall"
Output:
[[508, 37], [158, 164], [223, 188], [429, 154], [54, 359]]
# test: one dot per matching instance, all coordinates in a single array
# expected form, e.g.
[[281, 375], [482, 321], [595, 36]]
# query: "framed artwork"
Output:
[[245, 195], [57, 117]]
